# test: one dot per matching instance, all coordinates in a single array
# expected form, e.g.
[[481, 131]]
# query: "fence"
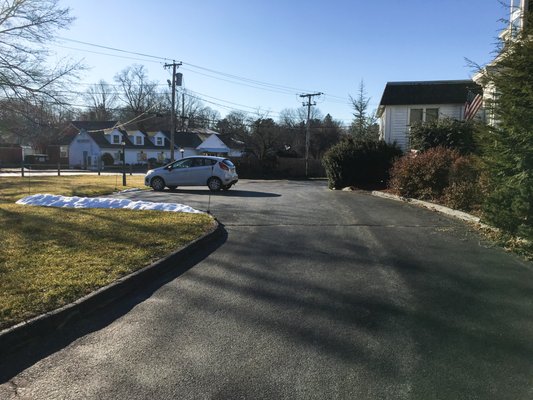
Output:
[[247, 168], [25, 168]]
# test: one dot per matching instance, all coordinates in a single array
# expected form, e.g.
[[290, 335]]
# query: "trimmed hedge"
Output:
[[358, 163]]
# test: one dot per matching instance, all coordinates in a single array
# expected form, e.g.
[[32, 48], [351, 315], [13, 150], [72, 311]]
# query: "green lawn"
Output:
[[52, 256]]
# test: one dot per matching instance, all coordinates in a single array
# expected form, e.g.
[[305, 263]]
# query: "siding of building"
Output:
[[395, 121]]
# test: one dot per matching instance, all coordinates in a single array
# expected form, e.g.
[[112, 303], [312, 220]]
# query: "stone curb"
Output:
[[42, 325], [431, 206]]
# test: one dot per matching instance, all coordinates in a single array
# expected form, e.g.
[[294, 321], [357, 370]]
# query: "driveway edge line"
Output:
[[14, 337]]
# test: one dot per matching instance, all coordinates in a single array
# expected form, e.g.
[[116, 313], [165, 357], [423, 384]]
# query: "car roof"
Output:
[[210, 157]]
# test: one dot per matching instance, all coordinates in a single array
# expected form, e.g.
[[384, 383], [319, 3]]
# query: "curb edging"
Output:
[[14, 337], [431, 206]]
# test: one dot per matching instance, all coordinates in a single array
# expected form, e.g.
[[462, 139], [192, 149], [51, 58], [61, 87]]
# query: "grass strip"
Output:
[[50, 257], [14, 188]]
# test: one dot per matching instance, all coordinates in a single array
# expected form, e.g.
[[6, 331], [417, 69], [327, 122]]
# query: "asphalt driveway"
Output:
[[312, 294]]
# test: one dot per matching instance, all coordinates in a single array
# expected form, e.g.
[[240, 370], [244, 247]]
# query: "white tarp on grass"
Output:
[[50, 200]]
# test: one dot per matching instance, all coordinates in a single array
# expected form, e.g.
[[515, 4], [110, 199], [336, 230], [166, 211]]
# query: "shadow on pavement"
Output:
[[20, 359], [229, 193]]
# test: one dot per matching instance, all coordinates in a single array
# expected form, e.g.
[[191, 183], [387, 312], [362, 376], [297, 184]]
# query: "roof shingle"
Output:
[[428, 92]]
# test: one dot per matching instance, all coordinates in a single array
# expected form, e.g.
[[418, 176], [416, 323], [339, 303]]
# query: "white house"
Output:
[[519, 10], [406, 103], [93, 140]]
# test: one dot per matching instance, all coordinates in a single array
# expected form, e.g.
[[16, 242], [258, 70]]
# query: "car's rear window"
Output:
[[228, 163]]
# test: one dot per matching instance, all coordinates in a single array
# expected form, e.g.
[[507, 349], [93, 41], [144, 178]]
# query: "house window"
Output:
[[419, 115], [416, 115], [141, 156], [159, 141], [432, 114], [116, 139], [138, 140], [63, 151]]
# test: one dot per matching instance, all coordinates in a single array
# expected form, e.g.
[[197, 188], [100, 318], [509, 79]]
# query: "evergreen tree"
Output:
[[508, 146], [364, 126]]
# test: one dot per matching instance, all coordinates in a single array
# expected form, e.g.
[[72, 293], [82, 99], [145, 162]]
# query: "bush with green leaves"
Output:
[[444, 132], [358, 163]]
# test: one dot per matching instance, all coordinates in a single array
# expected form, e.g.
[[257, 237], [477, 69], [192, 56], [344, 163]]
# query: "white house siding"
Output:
[[83, 152], [395, 120], [398, 131]]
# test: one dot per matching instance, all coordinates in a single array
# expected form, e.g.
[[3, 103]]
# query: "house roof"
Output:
[[184, 139], [101, 141], [428, 92], [94, 125]]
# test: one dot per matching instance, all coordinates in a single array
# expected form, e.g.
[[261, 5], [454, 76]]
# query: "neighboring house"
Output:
[[85, 148], [518, 13], [406, 103]]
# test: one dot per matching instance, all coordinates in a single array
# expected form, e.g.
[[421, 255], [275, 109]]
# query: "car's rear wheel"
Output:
[[157, 184], [172, 187], [214, 184], [226, 187]]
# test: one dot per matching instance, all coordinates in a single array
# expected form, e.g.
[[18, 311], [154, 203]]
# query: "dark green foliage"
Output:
[[444, 132], [438, 174], [359, 163], [108, 159], [364, 126], [508, 147]]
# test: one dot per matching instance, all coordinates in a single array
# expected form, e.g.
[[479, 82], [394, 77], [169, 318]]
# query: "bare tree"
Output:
[[37, 123], [26, 26], [139, 94], [102, 100]]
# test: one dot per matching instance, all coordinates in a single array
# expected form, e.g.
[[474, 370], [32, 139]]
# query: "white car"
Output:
[[215, 172]]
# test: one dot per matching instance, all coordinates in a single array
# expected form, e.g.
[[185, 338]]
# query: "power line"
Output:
[[254, 83]]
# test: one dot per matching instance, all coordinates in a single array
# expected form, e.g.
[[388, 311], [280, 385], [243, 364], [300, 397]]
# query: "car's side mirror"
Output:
[[169, 167]]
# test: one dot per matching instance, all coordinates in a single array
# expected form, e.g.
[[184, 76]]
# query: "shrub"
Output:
[[108, 159], [359, 163], [445, 132], [466, 187], [424, 175], [441, 175]]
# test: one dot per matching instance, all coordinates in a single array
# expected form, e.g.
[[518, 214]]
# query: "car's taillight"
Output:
[[223, 166]]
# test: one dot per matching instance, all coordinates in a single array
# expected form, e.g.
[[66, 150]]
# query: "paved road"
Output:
[[312, 294]]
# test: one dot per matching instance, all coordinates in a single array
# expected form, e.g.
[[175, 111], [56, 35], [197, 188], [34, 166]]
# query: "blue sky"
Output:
[[302, 46]]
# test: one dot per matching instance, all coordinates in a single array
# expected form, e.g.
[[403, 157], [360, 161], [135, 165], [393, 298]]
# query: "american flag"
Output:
[[472, 105]]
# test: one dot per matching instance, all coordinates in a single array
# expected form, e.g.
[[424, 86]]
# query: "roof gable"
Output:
[[213, 144]]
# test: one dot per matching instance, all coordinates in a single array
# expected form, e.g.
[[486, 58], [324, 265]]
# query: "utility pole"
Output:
[[308, 104], [174, 66]]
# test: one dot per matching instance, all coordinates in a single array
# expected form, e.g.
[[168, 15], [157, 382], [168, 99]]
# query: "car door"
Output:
[[178, 173], [201, 170]]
